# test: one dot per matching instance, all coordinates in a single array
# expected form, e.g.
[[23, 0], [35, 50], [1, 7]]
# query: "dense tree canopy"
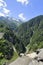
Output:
[[11, 37], [6, 49], [31, 32]]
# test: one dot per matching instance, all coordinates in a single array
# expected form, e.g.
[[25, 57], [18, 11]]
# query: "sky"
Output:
[[21, 9]]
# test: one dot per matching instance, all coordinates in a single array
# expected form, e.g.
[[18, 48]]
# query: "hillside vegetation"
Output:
[[28, 34], [31, 33], [7, 42]]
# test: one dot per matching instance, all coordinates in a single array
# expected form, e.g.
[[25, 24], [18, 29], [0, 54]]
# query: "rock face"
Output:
[[32, 55], [35, 62], [40, 55], [39, 59], [30, 59]]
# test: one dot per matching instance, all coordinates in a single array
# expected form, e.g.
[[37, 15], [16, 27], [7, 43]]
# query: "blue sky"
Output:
[[21, 9]]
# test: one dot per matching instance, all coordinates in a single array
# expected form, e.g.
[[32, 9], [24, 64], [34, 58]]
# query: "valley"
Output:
[[18, 37]]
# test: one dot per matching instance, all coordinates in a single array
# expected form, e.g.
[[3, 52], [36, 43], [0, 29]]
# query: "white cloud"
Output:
[[23, 1], [6, 11], [3, 10], [1, 14], [2, 3], [21, 16]]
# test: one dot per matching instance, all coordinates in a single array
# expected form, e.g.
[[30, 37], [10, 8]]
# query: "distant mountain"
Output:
[[20, 34], [16, 21], [8, 39], [9, 22], [31, 32]]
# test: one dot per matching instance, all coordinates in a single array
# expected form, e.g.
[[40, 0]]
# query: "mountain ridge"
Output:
[[10, 22], [32, 30]]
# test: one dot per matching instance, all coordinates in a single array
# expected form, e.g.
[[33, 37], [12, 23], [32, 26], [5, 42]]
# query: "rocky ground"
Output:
[[24, 60], [35, 58], [38, 59], [35, 62]]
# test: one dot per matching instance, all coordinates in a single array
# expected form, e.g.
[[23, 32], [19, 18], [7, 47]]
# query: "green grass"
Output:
[[1, 29], [3, 61], [14, 57]]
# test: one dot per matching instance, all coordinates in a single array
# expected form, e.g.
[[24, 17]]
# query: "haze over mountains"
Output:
[[10, 22]]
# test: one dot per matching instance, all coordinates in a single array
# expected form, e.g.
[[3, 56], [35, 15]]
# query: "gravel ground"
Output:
[[35, 62], [21, 61], [29, 59]]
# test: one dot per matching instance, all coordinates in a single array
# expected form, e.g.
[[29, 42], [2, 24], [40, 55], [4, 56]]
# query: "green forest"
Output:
[[26, 34]]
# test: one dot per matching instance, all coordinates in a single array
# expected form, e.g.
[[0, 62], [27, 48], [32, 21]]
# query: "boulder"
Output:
[[32, 55], [39, 60], [40, 55]]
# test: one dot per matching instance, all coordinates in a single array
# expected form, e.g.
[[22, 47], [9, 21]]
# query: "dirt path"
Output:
[[21, 61], [1, 35]]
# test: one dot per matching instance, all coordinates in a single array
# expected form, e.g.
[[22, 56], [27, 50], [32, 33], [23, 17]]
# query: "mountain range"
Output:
[[22, 36], [9, 22], [31, 33]]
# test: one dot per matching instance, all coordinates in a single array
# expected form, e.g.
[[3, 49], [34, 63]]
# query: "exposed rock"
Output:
[[35, 62], [29, 59], [40, 55], [38, 50], [24, 60], [39, 60], [32, 55]]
